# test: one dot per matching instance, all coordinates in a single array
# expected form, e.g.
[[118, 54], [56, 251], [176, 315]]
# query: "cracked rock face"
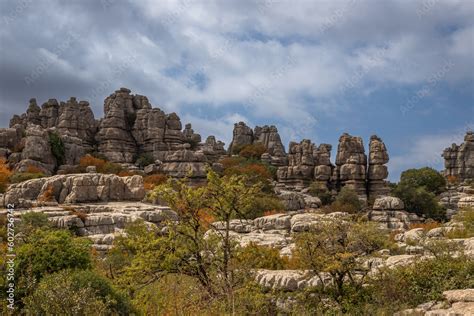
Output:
[[459, 159]]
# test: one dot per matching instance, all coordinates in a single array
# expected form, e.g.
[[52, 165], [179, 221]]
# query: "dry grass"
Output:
[[426, 226]]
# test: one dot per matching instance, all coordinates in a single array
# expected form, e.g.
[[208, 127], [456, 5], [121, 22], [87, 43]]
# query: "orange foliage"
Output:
[[426, 226], [153, 180], [48, 194], [33, 169], [252, 170], [452, 179], [229, 162], [125, 173], [206, 218], [89, 160], [272, 212], [5, 174], [253, 151]]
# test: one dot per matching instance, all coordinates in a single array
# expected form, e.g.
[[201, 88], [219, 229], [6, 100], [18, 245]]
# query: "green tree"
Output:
[[420, 201], [76, 293], [425, 177], [339, 248]]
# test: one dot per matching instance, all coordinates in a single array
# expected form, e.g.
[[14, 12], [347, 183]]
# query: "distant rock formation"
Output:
[[131, 127], [459, 159], [266, 135]]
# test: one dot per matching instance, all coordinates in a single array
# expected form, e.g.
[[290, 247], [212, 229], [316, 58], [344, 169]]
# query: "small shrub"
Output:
[[23, 176], [272, 212], [265, 203], [125, 173], [101, 165], [321, 192], [426, 226], [349, 196], [254, 256], [5, 174], [57, 147], [153, 180], [33, 169], [48, 194], [452, 180], [144, 160], [253, 151], [79, 214], [466, 217]]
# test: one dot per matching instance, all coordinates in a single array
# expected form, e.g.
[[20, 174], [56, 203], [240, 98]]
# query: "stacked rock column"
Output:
[[377, 171]]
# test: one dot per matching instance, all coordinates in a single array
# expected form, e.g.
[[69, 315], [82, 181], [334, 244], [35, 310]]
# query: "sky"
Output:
[[403, 70]]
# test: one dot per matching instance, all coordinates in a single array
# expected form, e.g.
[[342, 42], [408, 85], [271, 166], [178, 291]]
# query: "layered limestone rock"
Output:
[[323, 168], [351, 163], [267, 136], [389, 212], [377, 170], [75, 188], [241, 136], [300, 169], [115, 139], [459, 160]]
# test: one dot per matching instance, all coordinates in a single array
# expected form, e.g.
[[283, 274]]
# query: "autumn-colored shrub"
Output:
[[153, 180], [272, 212], [89, 160], [101, 165], [47, 195], [5, 174], [206, 217], [253, 151], [452, 179], [79, 214], [426, 226], [125, 173], [33, 169]]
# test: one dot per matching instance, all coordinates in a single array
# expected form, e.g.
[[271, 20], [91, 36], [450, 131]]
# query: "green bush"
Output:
[[349, 197], [144, 160], [321, 192], [425, 177], [51, 251], [254, 256], [57, 147], [266, 203], [23, 176], [423, 281], [76, 293], [420, 201]]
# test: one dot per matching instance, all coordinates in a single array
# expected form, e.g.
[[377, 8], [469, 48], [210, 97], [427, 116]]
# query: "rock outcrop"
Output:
[[459, 160], [389, 212], [267, 136], [351, 164], [75, 188], [377, 170]]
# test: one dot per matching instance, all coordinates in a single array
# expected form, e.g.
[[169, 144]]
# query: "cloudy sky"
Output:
[[403, 70]]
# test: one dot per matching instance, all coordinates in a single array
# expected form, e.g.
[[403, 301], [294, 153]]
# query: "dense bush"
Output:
[[57, 147], [320, 191], [253, 151], [347, 196], [153, 180], [76, 292], [101, 165], [254, 256], [425, 177], [51, 251], [265, 203], [144, 160], [420, 201], [23, 176]]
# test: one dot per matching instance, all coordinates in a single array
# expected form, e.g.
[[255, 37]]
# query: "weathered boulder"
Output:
[[77, 188], [388, 212]]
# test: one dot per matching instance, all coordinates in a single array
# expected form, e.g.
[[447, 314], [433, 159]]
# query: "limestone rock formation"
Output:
[[351, 163], [76, 188], [300, 169], [377, 171], [389, 212], [266, 135], [459, 159]]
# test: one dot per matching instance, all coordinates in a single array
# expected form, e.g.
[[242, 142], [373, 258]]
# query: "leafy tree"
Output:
[[338, 247], [76, 293], [426, 177]]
